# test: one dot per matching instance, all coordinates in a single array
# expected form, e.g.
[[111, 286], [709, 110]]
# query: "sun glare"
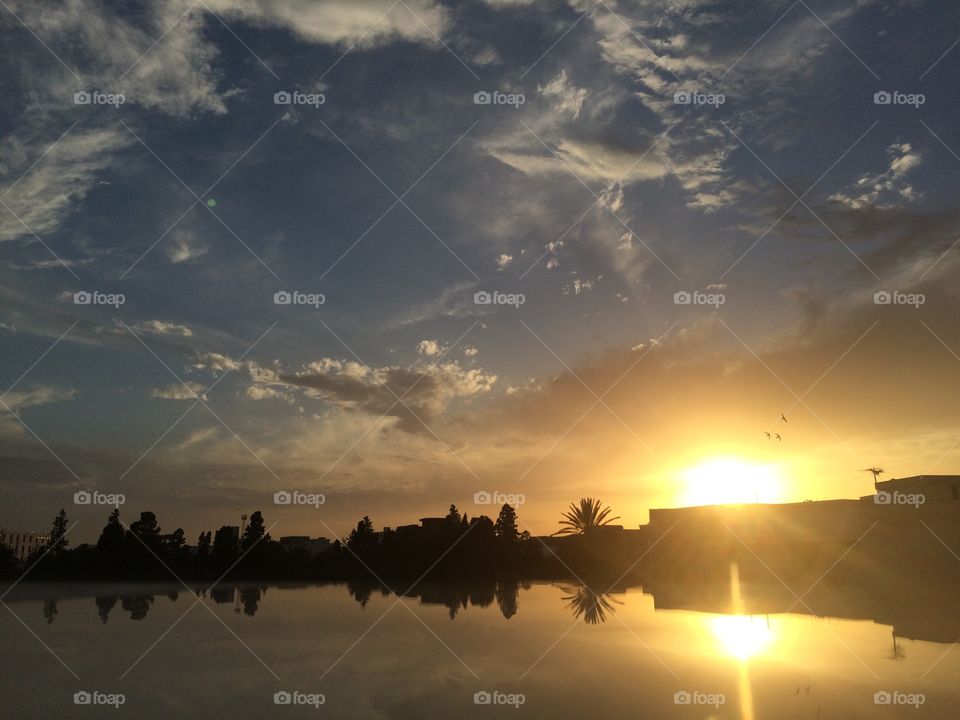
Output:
[[741, 636], [730, 480]]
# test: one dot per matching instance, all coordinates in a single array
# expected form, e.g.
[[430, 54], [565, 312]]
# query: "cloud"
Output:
[[159, 327], [569, 98], [430, 348], [470, 351], [344, 22], [265, 392], [426, 392], [589, 160], [179, 391], [503, 262], [44, 196], [18, 400], [184, 246], [885, 189]]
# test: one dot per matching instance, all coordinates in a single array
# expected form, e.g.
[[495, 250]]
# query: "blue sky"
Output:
[[784, 187]]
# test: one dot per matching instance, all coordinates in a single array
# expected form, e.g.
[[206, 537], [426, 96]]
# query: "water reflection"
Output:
[[741, 636], [738, 625], [589, 604]]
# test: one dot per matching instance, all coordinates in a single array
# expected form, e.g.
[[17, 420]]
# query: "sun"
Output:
[[741, 636], [727, 480]]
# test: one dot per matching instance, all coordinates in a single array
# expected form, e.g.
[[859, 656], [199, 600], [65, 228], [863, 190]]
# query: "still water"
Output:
[[541, 650]]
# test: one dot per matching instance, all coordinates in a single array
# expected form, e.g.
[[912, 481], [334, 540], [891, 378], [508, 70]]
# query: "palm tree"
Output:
[[588, 516]]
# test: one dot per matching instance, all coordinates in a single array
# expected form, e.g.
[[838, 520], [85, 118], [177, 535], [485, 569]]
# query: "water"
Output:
[[560, 652]]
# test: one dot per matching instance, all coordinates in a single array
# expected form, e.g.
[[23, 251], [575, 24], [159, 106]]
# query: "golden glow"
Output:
[[727, 480], [740, 636]]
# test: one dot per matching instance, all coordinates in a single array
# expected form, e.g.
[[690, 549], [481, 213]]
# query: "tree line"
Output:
[[453, 547]]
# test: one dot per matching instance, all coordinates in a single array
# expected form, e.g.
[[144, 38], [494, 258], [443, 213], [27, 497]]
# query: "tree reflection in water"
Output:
[[591, 605]]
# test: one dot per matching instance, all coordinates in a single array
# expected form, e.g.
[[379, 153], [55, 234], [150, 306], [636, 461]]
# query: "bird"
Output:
[[768, 435], [777, 436], [783, 417]]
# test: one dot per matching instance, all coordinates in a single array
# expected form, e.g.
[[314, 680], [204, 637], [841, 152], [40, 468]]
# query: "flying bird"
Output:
[[768, 435], [783, 417], [777, 436]]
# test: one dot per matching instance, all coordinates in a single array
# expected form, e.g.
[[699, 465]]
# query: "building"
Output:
[[312, 546], [433, 526], [933, 488], [23, 543]]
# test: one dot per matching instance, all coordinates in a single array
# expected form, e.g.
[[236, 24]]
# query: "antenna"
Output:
[[876, 473]]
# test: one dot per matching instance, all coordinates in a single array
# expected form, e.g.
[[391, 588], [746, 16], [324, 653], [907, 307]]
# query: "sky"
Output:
[[404, 253]]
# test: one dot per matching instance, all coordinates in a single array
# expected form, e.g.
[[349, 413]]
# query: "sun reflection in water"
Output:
[[741, 636]]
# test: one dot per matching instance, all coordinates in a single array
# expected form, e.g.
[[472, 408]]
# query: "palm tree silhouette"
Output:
[[591, 605], [588, 516]]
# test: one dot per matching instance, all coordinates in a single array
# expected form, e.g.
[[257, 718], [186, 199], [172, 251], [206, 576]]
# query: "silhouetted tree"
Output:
[[203, 545], [147, 530], [362, 539], [225, 545], [453, 517], [586, 517], [506, 525], [174, 543], [254, 532], [51, 555], [111, 538]]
